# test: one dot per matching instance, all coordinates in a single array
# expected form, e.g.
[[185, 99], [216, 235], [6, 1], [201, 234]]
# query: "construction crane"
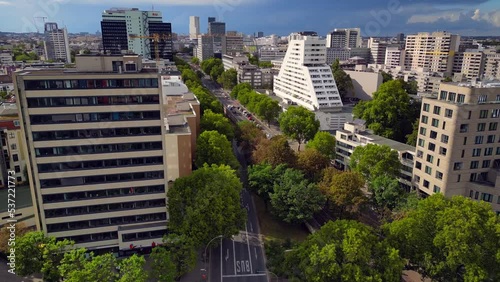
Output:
[[34, 22], [156, 39]]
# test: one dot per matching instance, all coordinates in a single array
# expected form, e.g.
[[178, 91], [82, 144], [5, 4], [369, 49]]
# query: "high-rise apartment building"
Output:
[[343, 38], [56, 43], [194, 27], [469, 64], [103, 142], [304, 77], [232, 45], [118, 27], [492, 65], [377, 50], [217, 28], [394, 57], [205, 47], [457, 147], [434, 52]]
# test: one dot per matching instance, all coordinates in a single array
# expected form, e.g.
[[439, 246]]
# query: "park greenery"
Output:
[[299, 123], [324, 143], [262, 105]]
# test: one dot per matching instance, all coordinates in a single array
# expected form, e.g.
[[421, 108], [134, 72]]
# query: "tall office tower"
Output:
[[205, 47], [102, 145], [433, 52], [56, 43], [377, 50], [343, 38], [194, 27], [217, 28], [260, 34], [400, 37], [232, 45], [394, 57], [304, 77], [118, 25], [457, 148]]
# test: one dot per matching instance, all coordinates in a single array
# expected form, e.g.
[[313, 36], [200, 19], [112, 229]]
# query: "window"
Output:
[[17, 169], [444, 125], [430, 158], [476, 152], [498, 151], [498, 98], [421, 142], [458, 166], [474, 164], [476, 195], [444, 138], [435, 122], [439, 175], [437, 110], [13, 146], [15, 157], [420, 154], [486, 164], [426, 107], [491, 139], [425, 119], [493, 126], [442, 151], [448, 113], [483, 114], [488, 151], [487, 197], [428, 170], [443, 95], [436, 189], [433, 134], [482, 98], [418, 165], [431, 146], [465, 140], [479, 139], [481, 126], [464, 128], [423, 131], [458, 177], [461, 98], [495, 113], [426, 184], [452, 96]]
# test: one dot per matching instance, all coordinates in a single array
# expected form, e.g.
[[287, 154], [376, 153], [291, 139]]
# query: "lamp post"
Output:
[[220, 236]]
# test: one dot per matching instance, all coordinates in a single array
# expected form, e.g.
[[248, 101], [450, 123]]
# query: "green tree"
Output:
[[299, 124], [411, 87], [214, 148], [324, 143], [275, 151], [207, 100], [211, 121], [388, 114], [374, 160], [132, 269], [208, 65], [183, 254], [162, 267], [312, 163], [216, 72], [254, 60], [294, 199], [206, 204], [447, 79], [342, 79], [386, 192], [72, 265], [248, 132], [265, 65], [345, 250], [268, 109], [411, 139], [386, 77], [455, 239], [240, 88], [195, 60], [101, 268], [262, 177], [344, 191], [228, 79]]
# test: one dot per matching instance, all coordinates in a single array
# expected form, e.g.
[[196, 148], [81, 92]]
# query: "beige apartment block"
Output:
[[458, 146], [102, 148]]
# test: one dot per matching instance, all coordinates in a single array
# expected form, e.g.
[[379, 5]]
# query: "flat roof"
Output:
[[398, 146], [63, 71], [23, 197]]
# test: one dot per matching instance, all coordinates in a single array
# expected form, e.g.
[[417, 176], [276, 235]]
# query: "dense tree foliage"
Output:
[[454, 239], [195, 61], [345, 250], [342, 79], [390, 113], [275, 151], [248, 132], [299, 124], [294, 199], [218, 122], [228, 79], [386, 76], [262, 105], [162, 267], [324, 142], [312, 163], [183, 254], [261, 179], [386, 193], [265, 65], [206, 204], [214, 148], [240, 88], [268, 109], [411, 139], [212, 64], [343, 190], [374, 160], [132, 269]]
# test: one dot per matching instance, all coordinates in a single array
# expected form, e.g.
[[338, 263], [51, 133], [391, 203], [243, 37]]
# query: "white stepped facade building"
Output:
[[304, 77]]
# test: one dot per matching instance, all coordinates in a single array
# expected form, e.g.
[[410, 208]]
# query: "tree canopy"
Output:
[[312, 163], [342, 79], [182, 253], [214, 148], [344, 250], [261, 178], [374, 160], [211, 121], [206, 204], [132, 269], [386, 192], [386, 77], [275, 151], [455, 239], [324, 143], [228, 79], [262, 105], [389, 114], [299, 124], [344, 190], [268, 109]]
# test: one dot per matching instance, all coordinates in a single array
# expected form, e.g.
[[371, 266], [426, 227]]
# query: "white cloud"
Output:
[[450, 16], [492, 17], [5, 3]]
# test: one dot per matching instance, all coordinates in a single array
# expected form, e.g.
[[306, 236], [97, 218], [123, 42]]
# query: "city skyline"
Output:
[[385, 18]]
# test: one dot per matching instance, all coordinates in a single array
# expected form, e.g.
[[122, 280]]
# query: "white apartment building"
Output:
[[194, 27], [205, 47], [6, 58], [270, 40], [492, 65], [343, 38], [377, 50], [304, 77], [355, 134], [56, 43], [432, 51], [270, 53], [469, 64], [394, 57]]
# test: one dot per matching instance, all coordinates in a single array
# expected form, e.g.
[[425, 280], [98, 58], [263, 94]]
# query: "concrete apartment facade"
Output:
[[378, 50], [394, 57], [457, 149], [492, 63], [205, 47], [102, 147], [12, 157], [232, 45], [194, 27], [56, 43], [344, 38]]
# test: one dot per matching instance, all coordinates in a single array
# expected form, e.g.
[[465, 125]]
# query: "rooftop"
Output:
[[23, 197]]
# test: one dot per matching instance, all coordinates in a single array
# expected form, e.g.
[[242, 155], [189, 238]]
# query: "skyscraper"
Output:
[[118, 25], [217, 28], [344, 38], [56, 43], [194, 27]]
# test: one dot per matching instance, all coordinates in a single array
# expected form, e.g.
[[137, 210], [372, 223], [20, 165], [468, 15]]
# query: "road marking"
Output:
[[244, 275], [221, 265], [227, 254], [234, 257], [249, 253], [255, 249], [251, 227]]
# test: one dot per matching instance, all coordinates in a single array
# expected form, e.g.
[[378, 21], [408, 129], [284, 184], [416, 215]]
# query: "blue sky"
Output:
[[375, 17]]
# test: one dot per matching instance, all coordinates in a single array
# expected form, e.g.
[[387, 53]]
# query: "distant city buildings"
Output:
[[205, 48], [194, 27], [56, 43], [343, 38], [126, 30]]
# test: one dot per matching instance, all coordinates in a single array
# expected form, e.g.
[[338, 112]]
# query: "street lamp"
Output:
[[261, 271], [220, 236]]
